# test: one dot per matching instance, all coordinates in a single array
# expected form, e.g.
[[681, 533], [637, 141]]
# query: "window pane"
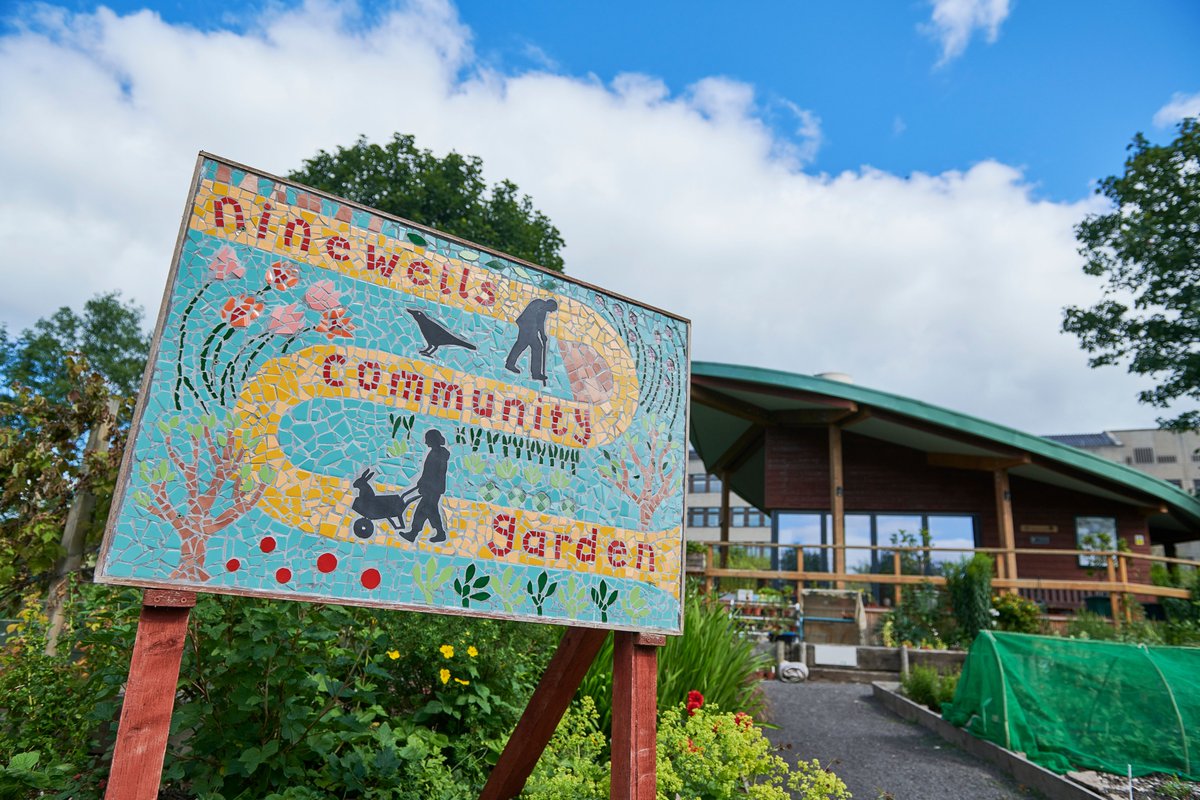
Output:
[[802, 529], [956, 532], [858, 533], [1095, 533]]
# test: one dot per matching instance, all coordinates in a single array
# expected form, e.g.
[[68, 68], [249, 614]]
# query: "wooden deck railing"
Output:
[[1110, 573]]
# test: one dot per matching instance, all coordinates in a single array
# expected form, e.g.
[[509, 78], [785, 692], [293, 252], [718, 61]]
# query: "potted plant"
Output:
[[697, 556]]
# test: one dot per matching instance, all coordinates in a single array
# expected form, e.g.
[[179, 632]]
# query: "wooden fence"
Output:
[[1110, 570]]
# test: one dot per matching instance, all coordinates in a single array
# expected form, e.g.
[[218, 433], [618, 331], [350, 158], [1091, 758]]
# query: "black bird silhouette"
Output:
[[436, 334]]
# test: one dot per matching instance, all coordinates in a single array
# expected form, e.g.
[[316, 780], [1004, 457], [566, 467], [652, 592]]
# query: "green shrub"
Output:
[[929, 687], [574, 765], [1017, 614], [918, 620], [711, 657], [969, 588], [702, 753], [706, 753]]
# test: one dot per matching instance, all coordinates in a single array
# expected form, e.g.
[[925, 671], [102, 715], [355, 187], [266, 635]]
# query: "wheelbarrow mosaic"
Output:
[[347, 407]]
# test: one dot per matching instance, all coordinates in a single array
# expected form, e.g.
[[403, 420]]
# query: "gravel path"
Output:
[[878, 755]]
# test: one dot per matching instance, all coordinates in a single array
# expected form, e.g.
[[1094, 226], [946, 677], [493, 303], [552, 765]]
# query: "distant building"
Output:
[[746, 523], [1169, 456]]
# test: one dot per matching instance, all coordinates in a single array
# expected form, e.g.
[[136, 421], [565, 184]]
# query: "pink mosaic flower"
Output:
[[225, 264], [335, 322], [241, 311], [286, 320], [321, 296], [281, 275]]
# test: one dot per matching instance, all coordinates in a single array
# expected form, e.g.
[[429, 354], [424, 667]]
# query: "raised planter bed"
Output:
[[1052, 785]]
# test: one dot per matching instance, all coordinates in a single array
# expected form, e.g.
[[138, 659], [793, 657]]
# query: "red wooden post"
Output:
[[576, 651], [149, 695], [634, 715]]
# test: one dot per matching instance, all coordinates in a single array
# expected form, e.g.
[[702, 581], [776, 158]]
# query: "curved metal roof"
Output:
[[732, 404]]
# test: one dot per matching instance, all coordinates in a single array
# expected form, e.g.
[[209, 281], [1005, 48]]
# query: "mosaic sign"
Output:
[[346, 407]]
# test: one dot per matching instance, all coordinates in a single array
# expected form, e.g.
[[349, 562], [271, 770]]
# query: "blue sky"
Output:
[[1060, 91], [887, 189]]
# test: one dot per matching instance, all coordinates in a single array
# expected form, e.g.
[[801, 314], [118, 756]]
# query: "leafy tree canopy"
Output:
[[445, 193], [1148, 251], [108, 334]]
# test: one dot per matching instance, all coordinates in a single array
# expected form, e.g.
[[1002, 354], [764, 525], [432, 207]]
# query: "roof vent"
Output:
[[840, 377]]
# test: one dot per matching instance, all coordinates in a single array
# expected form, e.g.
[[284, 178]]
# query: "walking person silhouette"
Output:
[[531, 336], [429, 489]]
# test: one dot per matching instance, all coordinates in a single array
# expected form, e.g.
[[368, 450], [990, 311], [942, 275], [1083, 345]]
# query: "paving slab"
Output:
[[878, 755]]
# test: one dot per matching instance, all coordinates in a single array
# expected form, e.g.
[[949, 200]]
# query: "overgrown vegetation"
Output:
[[969, 588], [711, 657], [703, 752], [929, 687]]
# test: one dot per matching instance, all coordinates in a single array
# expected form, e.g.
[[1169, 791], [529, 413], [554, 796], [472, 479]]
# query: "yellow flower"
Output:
[[472, 652], [447, 652], [393, 654], [460, 680], [445, 675]]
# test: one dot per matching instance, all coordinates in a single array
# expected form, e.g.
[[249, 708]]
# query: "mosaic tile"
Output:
[[347, 408]]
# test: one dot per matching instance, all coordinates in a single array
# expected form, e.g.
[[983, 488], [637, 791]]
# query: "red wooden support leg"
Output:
[[149, 695], [576, 651], [634, 715]]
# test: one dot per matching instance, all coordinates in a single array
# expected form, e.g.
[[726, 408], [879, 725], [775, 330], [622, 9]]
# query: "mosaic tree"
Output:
[[212, 467], [655, 474]]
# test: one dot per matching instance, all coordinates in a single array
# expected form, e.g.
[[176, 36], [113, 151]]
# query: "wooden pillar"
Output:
[[149, 695], [634, 715], [725, 519], [1123, 574], [897, 590], [576, 651], [837, 503], [1004, 521], [1114, 598]]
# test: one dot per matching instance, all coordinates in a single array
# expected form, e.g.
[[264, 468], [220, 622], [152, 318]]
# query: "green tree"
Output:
[[1148, 250], [445, 193], [41, 458], [108, 334]]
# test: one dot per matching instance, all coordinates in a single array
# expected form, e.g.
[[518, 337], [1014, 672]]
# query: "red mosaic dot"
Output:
[[327, 562], [283, 574], [267, 544], [370, 578], [233, 565]]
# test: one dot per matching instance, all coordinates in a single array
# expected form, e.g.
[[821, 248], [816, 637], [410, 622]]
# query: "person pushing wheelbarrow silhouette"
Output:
[[429, 490]]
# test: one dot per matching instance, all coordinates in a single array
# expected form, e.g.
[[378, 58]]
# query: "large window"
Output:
[[866, 531], [1095, 533]]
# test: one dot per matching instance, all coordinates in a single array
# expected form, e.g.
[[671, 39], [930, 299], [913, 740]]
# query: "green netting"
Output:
[[1071, 704]]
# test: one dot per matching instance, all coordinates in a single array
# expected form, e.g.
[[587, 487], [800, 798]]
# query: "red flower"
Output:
[[743, 720], [693, 747], [241, 311], [281, 275], [335, 322], [694, 700]]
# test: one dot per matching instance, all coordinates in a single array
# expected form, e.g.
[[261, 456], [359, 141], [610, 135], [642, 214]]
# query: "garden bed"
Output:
[[1087, 785]]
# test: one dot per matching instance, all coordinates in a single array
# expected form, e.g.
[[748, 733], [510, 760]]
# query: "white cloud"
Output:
[[944, 287], [1181, 105], [954, 22]]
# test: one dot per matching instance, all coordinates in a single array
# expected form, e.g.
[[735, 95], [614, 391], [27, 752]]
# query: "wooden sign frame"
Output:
[[238, 216], [145, 722]]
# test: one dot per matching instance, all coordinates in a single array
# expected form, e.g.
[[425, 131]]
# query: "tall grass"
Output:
[[710, 657]]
